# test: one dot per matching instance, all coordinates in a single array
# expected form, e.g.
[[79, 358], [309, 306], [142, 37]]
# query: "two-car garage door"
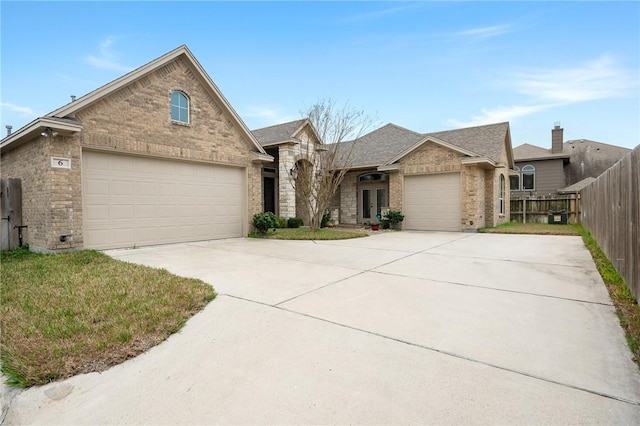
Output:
[[133, 201], [432, 202]]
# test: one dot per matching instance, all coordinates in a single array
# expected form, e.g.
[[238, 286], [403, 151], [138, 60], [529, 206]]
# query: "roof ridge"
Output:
[[280, 124]]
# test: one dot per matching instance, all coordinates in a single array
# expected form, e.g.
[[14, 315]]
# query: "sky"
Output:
[[426, 66]]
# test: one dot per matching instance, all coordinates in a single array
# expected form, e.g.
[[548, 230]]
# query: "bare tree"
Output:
[[318, 176]]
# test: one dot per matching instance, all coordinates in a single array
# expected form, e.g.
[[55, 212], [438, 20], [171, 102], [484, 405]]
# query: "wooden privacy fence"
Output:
[[536, 208], [611, 212], [11, 213]]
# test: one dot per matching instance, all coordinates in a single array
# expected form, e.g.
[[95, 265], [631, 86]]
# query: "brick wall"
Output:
[[137, 120], [36, 182]]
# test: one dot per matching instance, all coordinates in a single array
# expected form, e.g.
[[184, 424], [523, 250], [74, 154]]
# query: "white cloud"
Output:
[[107, 58], [485, 32], [368, 16], [598, 79], [17, 108], [552, 88], [499, 114]]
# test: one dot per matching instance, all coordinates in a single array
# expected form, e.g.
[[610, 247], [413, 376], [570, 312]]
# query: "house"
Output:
[[453, 180], [540, 171], [156, 156], [160, 156]]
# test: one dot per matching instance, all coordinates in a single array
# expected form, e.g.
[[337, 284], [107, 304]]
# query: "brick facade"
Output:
[[136, 119], [479, 186]]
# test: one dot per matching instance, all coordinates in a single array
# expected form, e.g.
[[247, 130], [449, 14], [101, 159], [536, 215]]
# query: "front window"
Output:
[[179, 107], [528, 178], [502, 193], [514, 180]]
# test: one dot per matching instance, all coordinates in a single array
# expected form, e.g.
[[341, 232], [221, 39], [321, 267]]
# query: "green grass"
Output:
[[309, 234], [626, 306], [78, 312], [533, 228]]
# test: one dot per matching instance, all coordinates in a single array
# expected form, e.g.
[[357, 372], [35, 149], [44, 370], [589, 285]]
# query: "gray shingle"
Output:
[[278, 133], [382, 145]]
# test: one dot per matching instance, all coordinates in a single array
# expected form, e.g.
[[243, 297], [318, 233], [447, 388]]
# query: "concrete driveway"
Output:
[[403, 327]]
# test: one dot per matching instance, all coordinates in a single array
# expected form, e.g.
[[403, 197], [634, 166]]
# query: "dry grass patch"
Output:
[[71, 313]]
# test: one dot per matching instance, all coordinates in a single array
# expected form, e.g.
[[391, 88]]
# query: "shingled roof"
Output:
[[486, 141], [388, 142], [277, 134], [531, 152]]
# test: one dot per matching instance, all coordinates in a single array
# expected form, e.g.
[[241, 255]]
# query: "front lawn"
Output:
[[78, 312], [309, 234], [533, 228]]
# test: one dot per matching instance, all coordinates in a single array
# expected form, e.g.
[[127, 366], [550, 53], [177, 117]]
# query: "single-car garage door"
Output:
[[432, 202], [133, 201]]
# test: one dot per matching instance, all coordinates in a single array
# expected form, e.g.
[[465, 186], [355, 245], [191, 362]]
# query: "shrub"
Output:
[[326, 217], [282, 222], [263, 221], [394, 217], [384, 224], [294, 222]]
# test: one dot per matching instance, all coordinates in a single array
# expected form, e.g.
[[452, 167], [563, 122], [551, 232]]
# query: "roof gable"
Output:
[[69, 110], [279, 133]]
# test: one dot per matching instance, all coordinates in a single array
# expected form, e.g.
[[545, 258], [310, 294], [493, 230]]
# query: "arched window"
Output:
[[179, 107], [514, 180], [373, 177], [502, 194], [528, 178]]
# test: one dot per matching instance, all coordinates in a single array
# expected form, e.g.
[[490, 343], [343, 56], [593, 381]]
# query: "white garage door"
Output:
[[135, 201], [432, 202]]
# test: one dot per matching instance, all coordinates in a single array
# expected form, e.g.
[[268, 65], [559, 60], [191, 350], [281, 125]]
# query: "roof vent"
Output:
[[9, 127], [73, 98]]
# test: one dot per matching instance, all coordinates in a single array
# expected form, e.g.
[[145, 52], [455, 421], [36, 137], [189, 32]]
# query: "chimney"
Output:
[[9, 127], [73, 98], [557, 139]]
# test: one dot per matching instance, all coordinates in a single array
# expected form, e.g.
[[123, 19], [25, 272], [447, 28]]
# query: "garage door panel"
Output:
[[432, 202], [133, 201]]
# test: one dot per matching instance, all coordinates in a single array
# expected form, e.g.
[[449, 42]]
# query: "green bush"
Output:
[[282, 222], [326, 217], [264, 221], [294, 222], [394, 217], [384, 224]]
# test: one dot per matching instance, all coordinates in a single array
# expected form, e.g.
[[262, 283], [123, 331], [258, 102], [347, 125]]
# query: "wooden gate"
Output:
[[11, 213]]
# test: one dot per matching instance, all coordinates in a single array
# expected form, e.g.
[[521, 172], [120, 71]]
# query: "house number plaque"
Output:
[[60, 163]]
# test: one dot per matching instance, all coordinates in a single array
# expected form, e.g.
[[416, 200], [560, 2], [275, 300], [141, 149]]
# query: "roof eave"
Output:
[[483, 162], [35, 128], [436, 141]]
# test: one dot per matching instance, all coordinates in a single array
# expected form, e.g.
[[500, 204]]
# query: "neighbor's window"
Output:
[[502, 193], [514, 180], [179, 107], [528, 178]]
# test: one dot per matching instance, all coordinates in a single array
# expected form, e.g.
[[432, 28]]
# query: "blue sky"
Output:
[[427, 66]]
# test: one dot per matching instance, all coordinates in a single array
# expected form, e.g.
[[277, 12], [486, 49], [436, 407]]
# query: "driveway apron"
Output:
[[399, 327]]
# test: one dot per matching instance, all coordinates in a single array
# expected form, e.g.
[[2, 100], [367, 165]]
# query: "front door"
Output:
[[372, 200]]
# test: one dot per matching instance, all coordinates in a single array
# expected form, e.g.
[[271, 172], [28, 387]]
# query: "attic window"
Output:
[[373, 177], [179, 107]]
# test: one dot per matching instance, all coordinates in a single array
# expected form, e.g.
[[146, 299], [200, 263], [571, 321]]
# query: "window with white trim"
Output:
[[528, 178], [179, 107], [514, 180], [502, 194]]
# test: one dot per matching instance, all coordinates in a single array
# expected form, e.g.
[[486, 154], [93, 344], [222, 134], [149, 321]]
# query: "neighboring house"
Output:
[[540, 171], [447, 181], [160, 156], [156, 156]]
